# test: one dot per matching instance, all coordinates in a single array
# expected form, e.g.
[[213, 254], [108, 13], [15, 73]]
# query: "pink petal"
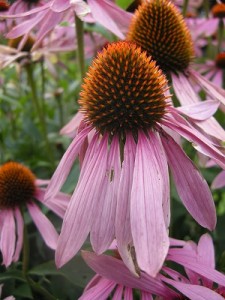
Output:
[[83, 205], [200, 111], [211, 89], [191, 186], [65, 165], [70, 129], [194, 292], [28, 13], [128, 295], [60, 5], [212, 127], [7, 237], [123, 231], [101, 290], [118, 295], [219, 181], [148, 228], [110, 16], [103, 228], [146, 296], [58, 205], [19, 242], [45, 227], [115, 270]]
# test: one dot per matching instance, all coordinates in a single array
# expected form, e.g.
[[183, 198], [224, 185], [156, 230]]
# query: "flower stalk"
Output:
[[80, 45]]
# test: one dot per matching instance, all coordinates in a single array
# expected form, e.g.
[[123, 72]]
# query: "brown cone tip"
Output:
[[123, 90], [220, 60], [159, 28], [218, 10], [17, 185], [4, 5]]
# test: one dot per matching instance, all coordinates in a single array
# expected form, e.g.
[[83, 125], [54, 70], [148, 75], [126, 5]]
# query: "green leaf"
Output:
[[23, 291], [12, 274], [124, 3]]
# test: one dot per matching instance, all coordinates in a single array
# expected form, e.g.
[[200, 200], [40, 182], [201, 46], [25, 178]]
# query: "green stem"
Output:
[[220, 35], [26, 251], [60, 107], [185, 6], [206, 7], [80, 45], [36, 287], [39, 110]]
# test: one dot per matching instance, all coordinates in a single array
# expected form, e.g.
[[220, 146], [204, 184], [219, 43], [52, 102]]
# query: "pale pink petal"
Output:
[[110, 16], [123, 231], [83, 205], [115, 270], [183, 90], [203, 144], [146, 296], [148, 228], [65, 165], [45, 227], [200, 111], [128, 295], [94, 281], [219, 181], [60, 5], [41, 182], [194, 292], [101, 290], [118, 295], [70, 129], [19, 242], [191, 186], [7, 237], [212, 127], [82, 10], [58, 205], [211, 89], [103, 228]]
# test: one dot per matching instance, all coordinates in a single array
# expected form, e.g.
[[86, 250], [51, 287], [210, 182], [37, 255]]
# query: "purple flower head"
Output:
[[125, 150]]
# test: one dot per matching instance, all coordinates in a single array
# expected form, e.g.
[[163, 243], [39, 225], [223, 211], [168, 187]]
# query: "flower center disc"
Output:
[[17, 185], [123, 90], [4, 5], [218, 10], [159, 28]]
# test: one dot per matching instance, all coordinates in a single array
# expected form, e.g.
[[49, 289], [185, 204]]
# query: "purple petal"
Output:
[[200, 111], [45, 227], [219, 181], [19, 242], [65, 165], [148, 228], [83, 205], [191, 186], [103, 228], [110, 16], [7, 237], [115, 270], [194, 292], [123, 230], [101, 290]]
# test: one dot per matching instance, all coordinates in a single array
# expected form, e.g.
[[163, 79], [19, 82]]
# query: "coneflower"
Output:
[[123, 189]]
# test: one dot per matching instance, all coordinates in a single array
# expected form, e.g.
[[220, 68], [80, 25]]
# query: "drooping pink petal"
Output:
[[70, 129], [211, 89], [201, 142], [194, 292], [103, 228], [146, 296], [58, 205], [191, 186], [19, 227], [148, 228], [28, 13], [118, 293], [115, 270], [212, 127], [128, 295], [162, 160], [200, 111], [7, 237], [60, 5], [83, 205], [101, 290], [45, 227], [123, 230], [219, 181], [41, 182], [65, 165], [110, 16]]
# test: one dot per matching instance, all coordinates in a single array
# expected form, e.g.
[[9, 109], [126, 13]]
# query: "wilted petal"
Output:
[[148, 228], [45, 227], [83, 205], [7, 236], [191, 186]]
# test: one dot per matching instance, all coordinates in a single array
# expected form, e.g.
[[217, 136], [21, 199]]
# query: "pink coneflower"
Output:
[[113, 278], [123, 189], [19, 188], [159, 28], [53, 12]]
